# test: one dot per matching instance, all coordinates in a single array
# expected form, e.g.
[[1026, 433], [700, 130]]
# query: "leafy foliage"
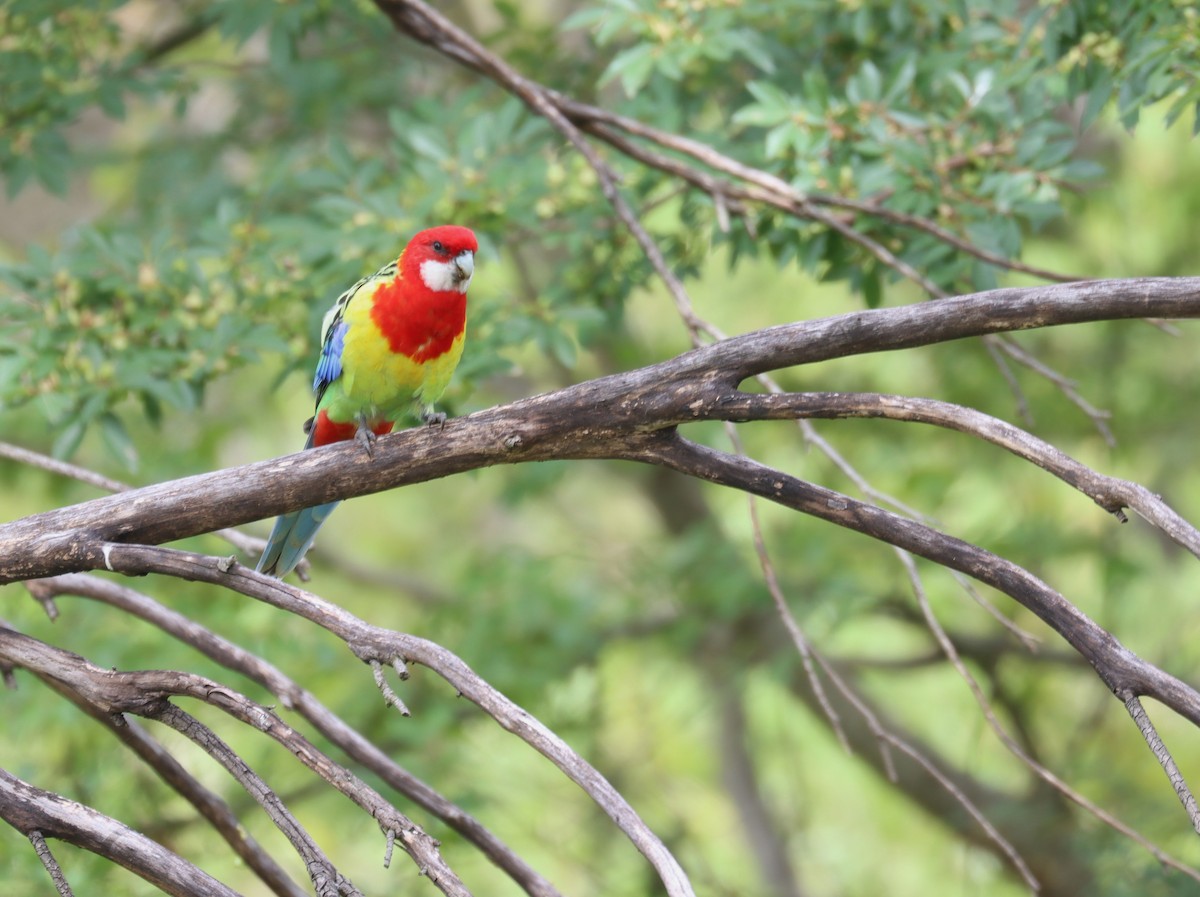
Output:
[[300, 170]]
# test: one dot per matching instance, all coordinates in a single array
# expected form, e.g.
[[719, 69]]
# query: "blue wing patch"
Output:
[[329, 367], [333, 331]]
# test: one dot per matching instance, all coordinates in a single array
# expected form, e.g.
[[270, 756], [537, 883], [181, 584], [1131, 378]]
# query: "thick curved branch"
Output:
[[1120, 669], [29, 809], [1110, 493], [588, 420], [1126, 675], [251, 545], [630, 416]]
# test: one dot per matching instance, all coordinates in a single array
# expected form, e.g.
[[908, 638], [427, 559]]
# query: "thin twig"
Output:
[[1028, 639], [967, 804], [147, 693], [952, 655], [61, 468], [390, 698], [1065, 385], [171, 771], [321, 871], [799, 640], [42, 849], [1165, 760], [882, 737], [420, 22], [1024, 411], [28, 808]]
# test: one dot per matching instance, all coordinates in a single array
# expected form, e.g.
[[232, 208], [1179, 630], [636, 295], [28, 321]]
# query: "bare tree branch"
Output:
[[952, 654], [171, 771], [29, 809], [1110, 493], [251, 545], [51, 864], [373, 644], [635, 416], [588, 420], [1098, 417], [292, 696], [147, 693], [616, 417], [1119, 668], [326, 879], [1138, 713]]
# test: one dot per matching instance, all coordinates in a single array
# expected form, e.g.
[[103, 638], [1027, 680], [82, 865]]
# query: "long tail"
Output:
[[293, 533], [291, 537]]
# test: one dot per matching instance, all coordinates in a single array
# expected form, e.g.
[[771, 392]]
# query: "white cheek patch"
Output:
[[443, 277]]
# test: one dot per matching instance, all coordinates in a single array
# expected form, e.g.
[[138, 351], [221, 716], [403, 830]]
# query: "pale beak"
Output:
[[464, 266]]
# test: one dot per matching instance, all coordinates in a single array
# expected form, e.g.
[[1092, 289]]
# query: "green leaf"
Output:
[[110, 98], [902, 81], [872, 288], [866, 85], [281, 48], [562, 347], [1098, 96], [68, 438], [633, 67], [116, 438]]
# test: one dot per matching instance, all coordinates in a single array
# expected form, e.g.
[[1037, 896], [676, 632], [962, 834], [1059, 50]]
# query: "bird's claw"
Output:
[[434, 419], [366, 437]]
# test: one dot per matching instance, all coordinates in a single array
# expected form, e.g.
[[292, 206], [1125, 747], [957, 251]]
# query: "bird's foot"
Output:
[[434, 418], [365, 437]]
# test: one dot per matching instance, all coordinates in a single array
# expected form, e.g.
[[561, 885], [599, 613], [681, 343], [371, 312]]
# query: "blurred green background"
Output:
[[190, 185]]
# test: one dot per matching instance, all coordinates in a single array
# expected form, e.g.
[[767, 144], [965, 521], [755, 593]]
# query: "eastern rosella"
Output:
[[388, 348]]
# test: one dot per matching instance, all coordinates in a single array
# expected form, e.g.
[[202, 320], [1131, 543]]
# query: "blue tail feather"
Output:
[[291, 537]]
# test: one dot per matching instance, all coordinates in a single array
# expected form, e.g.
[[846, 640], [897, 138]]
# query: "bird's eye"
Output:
[[438, 247]]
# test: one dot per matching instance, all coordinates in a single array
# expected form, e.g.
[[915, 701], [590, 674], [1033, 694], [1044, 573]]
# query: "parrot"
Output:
[[389, 346]]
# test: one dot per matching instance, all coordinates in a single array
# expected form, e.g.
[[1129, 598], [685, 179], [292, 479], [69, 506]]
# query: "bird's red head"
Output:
[[443, 258]]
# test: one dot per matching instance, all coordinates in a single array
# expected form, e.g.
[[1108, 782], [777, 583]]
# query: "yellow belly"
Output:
[[380, 383]]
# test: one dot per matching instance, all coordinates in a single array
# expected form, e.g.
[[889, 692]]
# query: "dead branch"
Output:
[[635, 416], [294, 697], [147, 693], [587, 420], [31, 810], [1110, 493], [374, 645]]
